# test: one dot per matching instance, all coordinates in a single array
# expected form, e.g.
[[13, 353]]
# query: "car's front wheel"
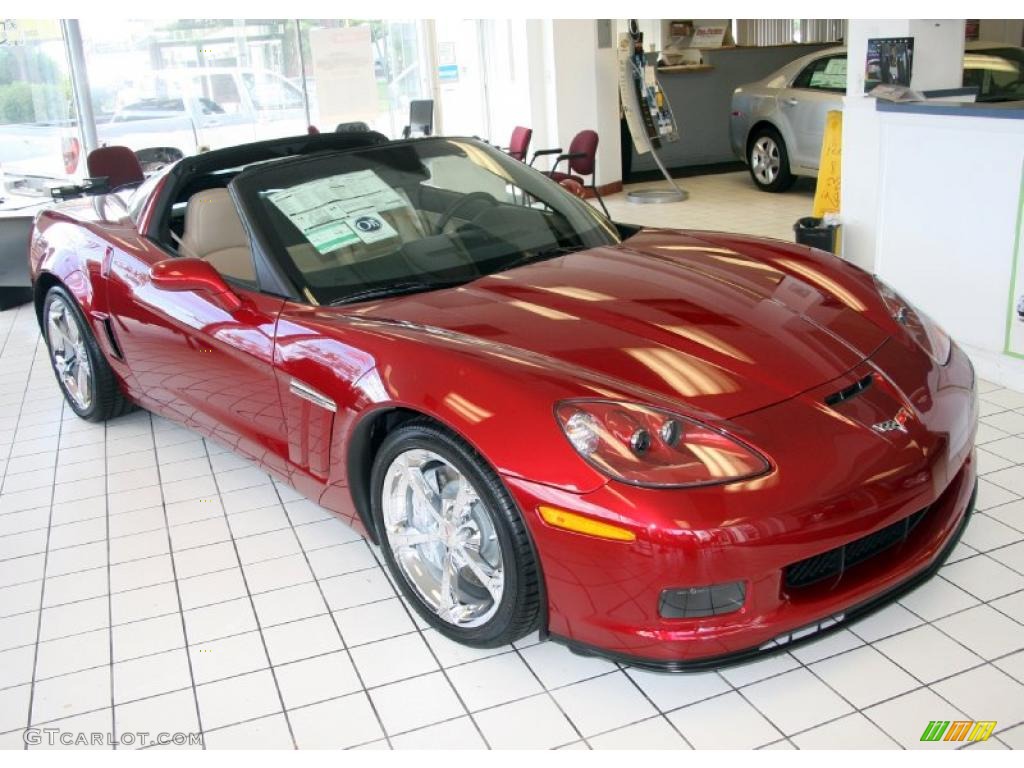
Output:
[[768, 161], [453, 537], [83, 373]]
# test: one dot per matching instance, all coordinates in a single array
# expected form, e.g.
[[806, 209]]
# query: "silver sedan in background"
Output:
[[777, 123]]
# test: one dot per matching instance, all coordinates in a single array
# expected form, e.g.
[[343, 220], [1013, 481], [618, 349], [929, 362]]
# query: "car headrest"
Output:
[[212, 224]]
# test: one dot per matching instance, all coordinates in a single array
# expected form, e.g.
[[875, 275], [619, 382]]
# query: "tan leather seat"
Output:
[[213, 232]]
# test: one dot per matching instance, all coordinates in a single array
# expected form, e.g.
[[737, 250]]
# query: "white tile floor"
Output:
[[151, 581], [726, 202]]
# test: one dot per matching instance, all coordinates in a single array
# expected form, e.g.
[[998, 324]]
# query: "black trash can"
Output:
[[810, 230], [15, 286]]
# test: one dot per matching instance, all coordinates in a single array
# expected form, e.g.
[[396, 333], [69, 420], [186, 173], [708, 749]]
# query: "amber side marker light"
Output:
[[570, 521]]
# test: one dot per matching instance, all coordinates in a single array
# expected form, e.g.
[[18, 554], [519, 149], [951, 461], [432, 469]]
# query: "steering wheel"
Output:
[[455, 207]]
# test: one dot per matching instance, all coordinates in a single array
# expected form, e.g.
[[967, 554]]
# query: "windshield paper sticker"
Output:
[[341, 210], [371, 227]]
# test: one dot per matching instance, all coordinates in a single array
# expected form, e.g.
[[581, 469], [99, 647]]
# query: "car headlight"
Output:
[[925, 331], [652, 447]]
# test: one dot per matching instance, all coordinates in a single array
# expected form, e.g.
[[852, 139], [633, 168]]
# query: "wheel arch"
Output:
[[40, 288], [74, 282], [364, 442]]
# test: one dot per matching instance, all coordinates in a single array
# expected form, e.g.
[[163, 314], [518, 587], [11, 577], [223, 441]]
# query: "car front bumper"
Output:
[[833, 482]]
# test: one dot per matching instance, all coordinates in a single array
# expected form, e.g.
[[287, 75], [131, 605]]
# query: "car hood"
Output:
[[674, 314]]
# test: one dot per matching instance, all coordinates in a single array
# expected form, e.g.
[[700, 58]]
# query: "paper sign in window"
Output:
[[341, 210]]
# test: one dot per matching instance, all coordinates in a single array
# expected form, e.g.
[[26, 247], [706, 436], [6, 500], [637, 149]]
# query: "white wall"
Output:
[[586, 91], [946, 230], [938, 63]]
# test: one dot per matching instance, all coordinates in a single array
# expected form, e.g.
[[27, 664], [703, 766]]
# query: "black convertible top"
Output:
[[189, 169], [273, 149]]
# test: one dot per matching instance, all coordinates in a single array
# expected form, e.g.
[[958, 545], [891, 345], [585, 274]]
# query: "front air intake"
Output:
[[851, 391], [834, 563]]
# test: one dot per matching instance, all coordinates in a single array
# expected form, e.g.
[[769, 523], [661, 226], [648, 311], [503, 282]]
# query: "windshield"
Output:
[[998, 73], [411, 216]]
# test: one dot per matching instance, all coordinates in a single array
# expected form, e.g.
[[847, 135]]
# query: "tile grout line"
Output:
[[444, 672], [42, 586], [625, 671], [252, 603], [177, 594], [110, 600], [334, 621]]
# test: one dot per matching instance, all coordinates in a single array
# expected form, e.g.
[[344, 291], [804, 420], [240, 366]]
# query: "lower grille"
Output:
[[835, 562]]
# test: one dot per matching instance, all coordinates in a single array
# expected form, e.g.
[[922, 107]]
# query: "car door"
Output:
[[192, 359], [817, 90]]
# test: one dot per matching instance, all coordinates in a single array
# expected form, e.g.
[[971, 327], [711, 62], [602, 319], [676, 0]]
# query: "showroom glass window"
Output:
[[193, 84], [197, 84], [38, 134], [398, 62]]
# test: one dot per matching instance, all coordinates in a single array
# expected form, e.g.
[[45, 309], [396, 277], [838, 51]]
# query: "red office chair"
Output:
[[582, 161], [312, 130], [118, 164], [519, 146]]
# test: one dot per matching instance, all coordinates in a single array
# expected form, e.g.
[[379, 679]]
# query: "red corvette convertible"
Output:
[[676, 449]]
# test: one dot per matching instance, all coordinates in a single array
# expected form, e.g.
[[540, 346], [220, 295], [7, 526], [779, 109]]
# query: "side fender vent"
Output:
[[115, 348], [851, 391]]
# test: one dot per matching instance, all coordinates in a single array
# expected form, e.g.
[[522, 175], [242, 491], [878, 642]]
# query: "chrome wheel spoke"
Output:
[[71, 329], [458, 509], [448, 603], [466, 495], [82, 377], [411, 537], [491, 579], [421, 488]]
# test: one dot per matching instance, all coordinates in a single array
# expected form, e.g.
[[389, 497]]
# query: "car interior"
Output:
[[441, 235]]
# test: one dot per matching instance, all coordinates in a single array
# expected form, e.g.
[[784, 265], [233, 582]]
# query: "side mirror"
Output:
[[191, 274], [572, 187]]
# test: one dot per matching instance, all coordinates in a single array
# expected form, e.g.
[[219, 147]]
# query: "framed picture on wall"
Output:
[[890, 61]]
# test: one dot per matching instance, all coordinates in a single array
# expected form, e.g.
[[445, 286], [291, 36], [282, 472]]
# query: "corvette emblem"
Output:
[[896, 424]]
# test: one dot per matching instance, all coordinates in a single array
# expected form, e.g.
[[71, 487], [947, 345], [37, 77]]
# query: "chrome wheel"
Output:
[[68, 353], [765, 160], [443, 538]]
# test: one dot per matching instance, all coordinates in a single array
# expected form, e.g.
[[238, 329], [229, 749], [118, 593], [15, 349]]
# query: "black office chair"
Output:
[[421, 118]]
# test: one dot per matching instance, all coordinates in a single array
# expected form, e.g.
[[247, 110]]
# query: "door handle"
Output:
[[790, 102]]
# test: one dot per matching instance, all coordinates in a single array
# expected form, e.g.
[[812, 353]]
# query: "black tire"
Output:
[[519, 610], [782, 179], [107, 400]]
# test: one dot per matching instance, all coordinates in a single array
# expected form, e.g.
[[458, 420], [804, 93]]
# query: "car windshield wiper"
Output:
[[547, 253], [394, 289]]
